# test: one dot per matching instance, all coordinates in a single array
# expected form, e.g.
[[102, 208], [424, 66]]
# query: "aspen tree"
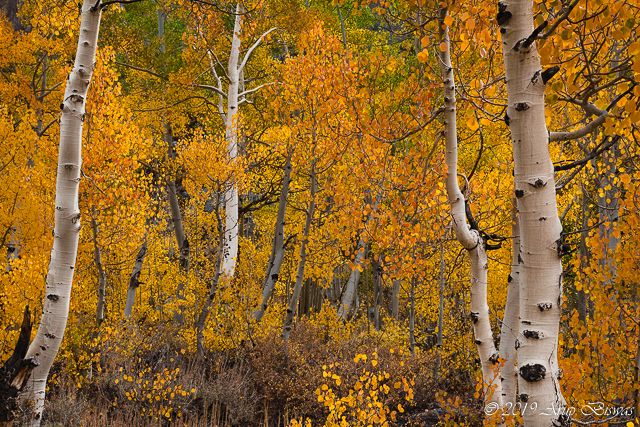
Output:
[[468, 237], [66, 231], [541, 244]]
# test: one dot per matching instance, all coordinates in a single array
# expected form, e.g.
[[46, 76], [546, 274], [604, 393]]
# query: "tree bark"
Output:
[[542, 248], [55, 311], [277, 251], [469, 238], [293, 301]]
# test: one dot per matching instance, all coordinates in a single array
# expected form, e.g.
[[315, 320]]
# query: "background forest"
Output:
[[268, 233]]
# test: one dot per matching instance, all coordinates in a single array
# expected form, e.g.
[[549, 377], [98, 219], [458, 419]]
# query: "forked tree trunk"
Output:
[[277, 250], [470, 239], [509, 330], [293, 301], [55, 310], [540, 229]]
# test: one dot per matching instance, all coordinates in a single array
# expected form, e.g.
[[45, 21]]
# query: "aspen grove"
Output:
[[320, 213]]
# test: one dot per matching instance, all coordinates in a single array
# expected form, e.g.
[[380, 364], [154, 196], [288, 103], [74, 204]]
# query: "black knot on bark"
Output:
[[534, 335], [563, 248], [519, 193], [474, 317], [53, 297], [522, 106], [524, 397], [537, 183], [533, 372], [545, 306], [517, 346], [503, 15], [509, 279], [494, 358], [506, 119]]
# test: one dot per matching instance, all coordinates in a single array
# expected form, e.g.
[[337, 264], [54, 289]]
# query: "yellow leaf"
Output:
[[448, 21], [443, 47], [472, 123], [425, 41]]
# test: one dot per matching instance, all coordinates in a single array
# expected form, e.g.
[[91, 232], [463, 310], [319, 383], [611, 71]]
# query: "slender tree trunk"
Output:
[[540, 229], [509, 330], [440, 312], [277, 251], [469, 238], [178, 228], [583, 297], [204, 314], [231, 197], [293, 302], [47, 341], [377, 292], [395, 299], [102, 274], [412, 316], [134, 279]]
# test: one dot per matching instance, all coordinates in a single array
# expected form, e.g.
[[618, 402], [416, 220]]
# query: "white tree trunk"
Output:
[[352, 283], [541, 245], [509, 330], [468, 238], [55, 310], [231, 197]]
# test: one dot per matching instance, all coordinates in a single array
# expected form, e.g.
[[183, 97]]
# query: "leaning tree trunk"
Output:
[[66, 231], [541, 253], [470, 239]]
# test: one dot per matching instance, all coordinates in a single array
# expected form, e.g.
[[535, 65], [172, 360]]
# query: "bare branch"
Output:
[[584, 131], [252, 48], [139, 69], [247, 92], [214, 89]]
